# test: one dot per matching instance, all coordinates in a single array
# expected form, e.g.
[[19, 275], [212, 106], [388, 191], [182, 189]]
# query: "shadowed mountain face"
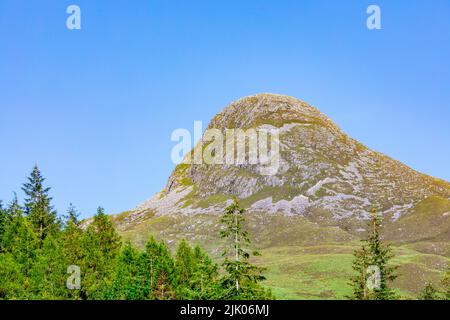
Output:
[[308, 216]]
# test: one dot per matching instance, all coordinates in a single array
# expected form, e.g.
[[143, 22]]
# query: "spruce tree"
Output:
[[372, 261], [242, 279], [184, 263], [159, 270], [358, 282], [18, 254], [2, 218], [38, 206], [3, 222], [72, 215], [204, 283], [197, 274], [100, 247], [128, 282], [48, 273]]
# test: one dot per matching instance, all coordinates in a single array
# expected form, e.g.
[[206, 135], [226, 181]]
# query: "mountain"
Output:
[[317, 200]]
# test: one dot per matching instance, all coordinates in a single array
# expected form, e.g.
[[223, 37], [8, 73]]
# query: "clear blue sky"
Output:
[[95, 107]]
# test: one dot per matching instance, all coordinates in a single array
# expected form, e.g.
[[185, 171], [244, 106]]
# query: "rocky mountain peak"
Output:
[[268, 108], [323, 175]]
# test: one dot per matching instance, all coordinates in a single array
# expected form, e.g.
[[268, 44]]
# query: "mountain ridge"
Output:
[[309, 216], [320, 166]]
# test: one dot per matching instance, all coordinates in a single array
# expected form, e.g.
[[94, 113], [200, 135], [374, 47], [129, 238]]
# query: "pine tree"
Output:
[[159, 270], [184, 263], [100, 247], [372, 262], [243, 278], [18, 254], [197, 274], [3, 218], [38, 206], [12, 280], [72, 215], [128, 282], [48, 273], [358, 282], [204, 283]]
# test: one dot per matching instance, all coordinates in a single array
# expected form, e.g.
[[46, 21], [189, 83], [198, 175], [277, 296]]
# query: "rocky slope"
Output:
[[325, 180], [308, 217]]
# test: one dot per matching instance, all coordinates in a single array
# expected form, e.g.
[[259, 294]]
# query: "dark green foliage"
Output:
[[242, 279], [129, 281], [373, 253], [100, 245], [160, 270], [198, 277], [41, 258], [48, 273], [38, 207], [19, 247], [72, 216], [3, 218]]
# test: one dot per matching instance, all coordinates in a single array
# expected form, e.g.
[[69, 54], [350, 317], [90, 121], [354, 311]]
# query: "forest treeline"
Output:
[[45, 256]]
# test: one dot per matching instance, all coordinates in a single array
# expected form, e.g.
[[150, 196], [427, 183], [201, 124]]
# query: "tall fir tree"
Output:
[[372, 261], [72, 216], [38, 206], [129, 281], [197, 274], [100, 246], [48, 273], [159, 270], [205, 280], [184, 263], [18, 254], [242, 279]]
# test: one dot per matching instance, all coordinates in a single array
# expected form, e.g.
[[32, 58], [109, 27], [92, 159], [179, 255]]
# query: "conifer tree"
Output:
[[243, 278], [159, 270], [197, 274], [72, 215], [19, 238], [38, 206], [3, 217], [358, 282], [128, 282], [18, 254], [74, 246], [184, 263], [204, 281], [100, 246], [48, 273], [372, 261]]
